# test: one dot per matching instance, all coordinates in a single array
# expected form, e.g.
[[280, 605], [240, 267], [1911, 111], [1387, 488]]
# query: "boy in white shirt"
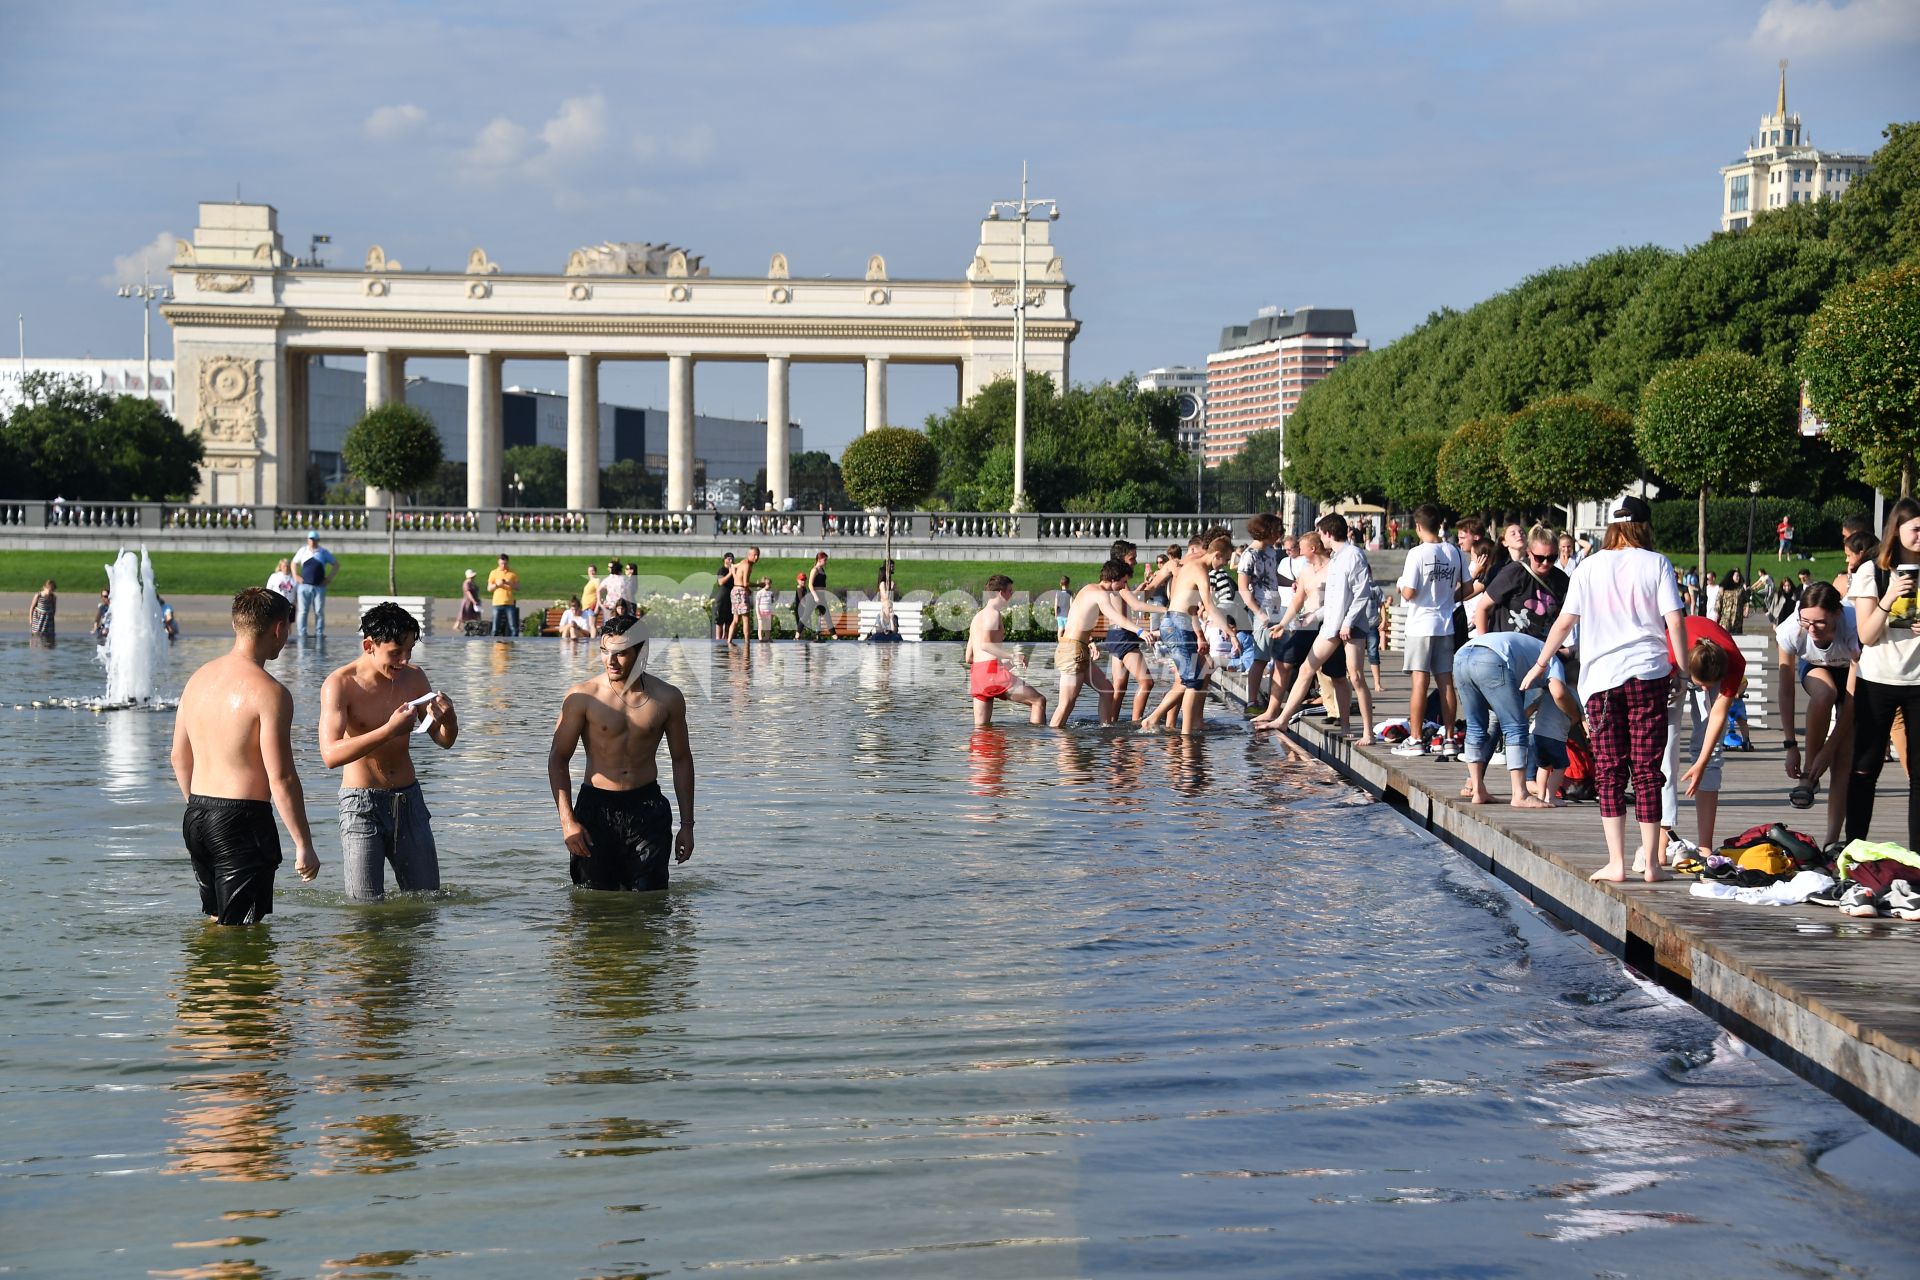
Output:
[[1432, 583]]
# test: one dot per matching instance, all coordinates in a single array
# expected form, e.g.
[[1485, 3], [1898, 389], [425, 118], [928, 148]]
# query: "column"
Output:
[[485, 432], [386, 383], [779, 412], [292, 450], [679, 431], [876, 392], [583, 431]]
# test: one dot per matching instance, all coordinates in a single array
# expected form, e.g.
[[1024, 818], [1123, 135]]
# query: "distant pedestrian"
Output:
[[721, 598], [315, 566], [1062, 602], [1731, 613], [1784, 532], [469, 601], [283, 581], [40, 613], [504, 583], [168, 623], [613, 589], [101, 618], [590, 594], [763, 608], [574, 623]]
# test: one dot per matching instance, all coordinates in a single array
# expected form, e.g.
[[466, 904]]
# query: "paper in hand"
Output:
[[426, 721]]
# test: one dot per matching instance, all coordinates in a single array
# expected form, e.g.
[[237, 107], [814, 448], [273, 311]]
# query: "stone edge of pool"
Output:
[[1869, 1068]]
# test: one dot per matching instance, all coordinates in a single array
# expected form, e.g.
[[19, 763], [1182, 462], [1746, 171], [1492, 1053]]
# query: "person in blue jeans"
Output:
[[314, 566], [1487, 672]]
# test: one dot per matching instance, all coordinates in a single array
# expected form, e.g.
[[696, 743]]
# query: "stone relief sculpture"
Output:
[[229, 410], [1056, 271], [628, 258], [183, 251], [215, 282], [777, 269], [677, 263], [979, 268], [478, 264], [377, 260], [876, 268]]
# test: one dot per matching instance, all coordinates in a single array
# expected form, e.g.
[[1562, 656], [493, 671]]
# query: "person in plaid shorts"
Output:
[[1631, 608]]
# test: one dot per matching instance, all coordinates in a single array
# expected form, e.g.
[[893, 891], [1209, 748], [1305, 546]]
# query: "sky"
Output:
[[1209, 159]]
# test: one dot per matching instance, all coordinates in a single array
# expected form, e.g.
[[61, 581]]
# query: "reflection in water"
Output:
[[620, 962], [129, 754], [375, 995], [987, 765], [232, 1022]]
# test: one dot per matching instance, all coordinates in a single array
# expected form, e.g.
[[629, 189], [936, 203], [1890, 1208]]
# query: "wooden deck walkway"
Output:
[[1835, 998]]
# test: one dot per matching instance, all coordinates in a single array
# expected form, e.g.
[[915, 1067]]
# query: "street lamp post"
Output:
[[1023, 209], [1753, 504], [146, 291]]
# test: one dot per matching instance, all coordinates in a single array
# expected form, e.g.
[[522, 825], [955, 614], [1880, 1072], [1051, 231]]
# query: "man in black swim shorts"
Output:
[[619, 831], [232, 749]]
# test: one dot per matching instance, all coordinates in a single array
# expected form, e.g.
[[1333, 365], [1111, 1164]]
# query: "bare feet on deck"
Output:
[[1529, 801], [1610, 873], [1477, 797]]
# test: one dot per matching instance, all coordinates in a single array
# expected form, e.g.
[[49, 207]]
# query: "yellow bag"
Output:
[[1765, 856]]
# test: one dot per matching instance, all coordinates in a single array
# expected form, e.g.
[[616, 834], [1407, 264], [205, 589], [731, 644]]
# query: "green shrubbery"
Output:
[[1816, 526]]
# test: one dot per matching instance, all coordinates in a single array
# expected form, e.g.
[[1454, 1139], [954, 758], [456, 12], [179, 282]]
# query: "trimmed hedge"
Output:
[[1816, 527]]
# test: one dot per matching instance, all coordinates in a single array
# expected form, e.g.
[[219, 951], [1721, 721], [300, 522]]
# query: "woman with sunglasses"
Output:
[[1817, 644], [1883, 593]]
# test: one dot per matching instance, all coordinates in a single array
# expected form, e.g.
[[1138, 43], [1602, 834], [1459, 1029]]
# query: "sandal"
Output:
[[1801, 797]]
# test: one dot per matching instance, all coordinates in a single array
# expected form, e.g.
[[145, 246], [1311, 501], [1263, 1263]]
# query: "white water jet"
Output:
[[136, 646]]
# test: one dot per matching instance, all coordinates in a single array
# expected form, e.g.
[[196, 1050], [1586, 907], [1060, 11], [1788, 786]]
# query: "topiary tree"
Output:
[[395, 448], [1564, 449], [1409, 471], [1718, 421], [890, 468], [1860, 362], [1472, 472]]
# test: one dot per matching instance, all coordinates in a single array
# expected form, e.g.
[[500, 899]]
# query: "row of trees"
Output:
[[67, 439], [1599, 331]]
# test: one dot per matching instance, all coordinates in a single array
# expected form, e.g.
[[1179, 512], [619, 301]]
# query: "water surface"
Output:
[[927, 1001]]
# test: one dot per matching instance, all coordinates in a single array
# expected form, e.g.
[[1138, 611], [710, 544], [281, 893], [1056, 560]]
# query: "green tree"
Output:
[[1564, 449], [1111, 446], [394, 447], [1241, 482], [1860, 363], [1472, 468], [542, 469], [1878, 222], [1718, 421], [447, 488], [1409, 474], [627, 485], [890, 468], [66, 439], [1740, 293]]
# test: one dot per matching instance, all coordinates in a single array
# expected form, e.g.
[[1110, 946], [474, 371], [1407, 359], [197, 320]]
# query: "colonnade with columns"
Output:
[[386, 383]]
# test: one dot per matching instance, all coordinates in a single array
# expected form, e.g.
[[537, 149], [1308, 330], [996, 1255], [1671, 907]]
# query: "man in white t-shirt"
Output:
[[1432, 582], [1347, 600]]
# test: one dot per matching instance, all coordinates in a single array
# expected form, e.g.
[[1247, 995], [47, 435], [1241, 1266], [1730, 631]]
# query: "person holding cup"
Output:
[[1883, 592]]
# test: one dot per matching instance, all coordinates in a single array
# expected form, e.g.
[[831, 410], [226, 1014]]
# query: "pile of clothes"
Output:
[[1772, 865]]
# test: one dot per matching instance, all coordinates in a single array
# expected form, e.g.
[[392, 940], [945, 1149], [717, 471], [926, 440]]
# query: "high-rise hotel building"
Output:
[[1255, 379], [1782, 168]]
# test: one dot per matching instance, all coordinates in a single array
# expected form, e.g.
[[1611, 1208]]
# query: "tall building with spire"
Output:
[[1782, 167]]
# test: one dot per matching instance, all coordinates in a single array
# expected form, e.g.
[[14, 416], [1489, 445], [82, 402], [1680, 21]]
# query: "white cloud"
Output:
[[1793, 27], [501, 144], [691, 147], [388, 123], [580, 127], [152, 259]]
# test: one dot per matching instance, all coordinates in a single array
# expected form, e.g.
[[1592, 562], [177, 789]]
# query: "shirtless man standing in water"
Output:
[[619, 830], [992, 667], [1074, 655], [232, 749], [368, 710]]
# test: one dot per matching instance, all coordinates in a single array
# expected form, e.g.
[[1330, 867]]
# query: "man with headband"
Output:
[[619, 829]]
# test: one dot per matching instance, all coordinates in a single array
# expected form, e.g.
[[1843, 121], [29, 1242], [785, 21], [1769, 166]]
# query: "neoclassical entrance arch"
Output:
[[247, 320]]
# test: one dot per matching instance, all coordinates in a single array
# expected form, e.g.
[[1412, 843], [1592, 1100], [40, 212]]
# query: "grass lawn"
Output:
[[541, 577]]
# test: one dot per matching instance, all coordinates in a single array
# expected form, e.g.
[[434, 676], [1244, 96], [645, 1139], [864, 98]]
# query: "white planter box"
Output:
[[420, 607]]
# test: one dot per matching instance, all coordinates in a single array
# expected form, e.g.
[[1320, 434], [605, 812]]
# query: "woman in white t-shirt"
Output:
[[1818, 642], [282, 580], [1624, 600], [1889, 676]]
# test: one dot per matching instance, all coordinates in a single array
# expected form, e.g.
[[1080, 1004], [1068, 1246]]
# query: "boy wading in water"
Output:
[[619, 830], [368, 711], [1074, 655], [990, 663], [232, 749]]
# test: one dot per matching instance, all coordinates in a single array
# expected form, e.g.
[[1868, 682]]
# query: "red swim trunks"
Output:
[[989, 680]]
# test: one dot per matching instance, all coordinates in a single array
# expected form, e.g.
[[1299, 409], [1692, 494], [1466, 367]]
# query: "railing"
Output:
[[1082, 530]]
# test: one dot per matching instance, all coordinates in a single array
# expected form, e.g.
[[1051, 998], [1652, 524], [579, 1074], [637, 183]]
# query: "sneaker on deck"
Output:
[[1903, 900], [1858, 900], [1410, 749]]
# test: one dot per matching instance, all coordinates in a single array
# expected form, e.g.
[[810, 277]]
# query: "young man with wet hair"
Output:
[[232, 751], [618, 829], [991, 665], [1074, 655], [369, 710]]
